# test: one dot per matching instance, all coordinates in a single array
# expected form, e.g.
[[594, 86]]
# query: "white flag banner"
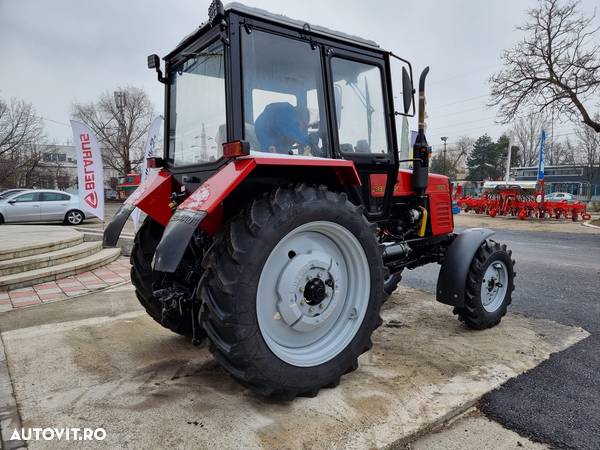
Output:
[[90, 173], [149, 151]]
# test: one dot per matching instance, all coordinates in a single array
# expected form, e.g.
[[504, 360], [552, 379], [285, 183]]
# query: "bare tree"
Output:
[[19, 126], [459, 151], [54, 162], [587, 149], [557, 63], [121, 136], [526, 133], [29, 166], [21, 167]]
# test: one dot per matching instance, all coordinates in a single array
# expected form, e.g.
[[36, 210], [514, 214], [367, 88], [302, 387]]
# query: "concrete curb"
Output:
[[588, 224], [125, 241], [10, 419]]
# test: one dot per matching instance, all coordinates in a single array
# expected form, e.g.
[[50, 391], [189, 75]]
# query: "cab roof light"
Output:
[[215, 11]]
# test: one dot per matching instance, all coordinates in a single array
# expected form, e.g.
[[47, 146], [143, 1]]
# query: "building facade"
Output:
[[579, 180], [58, 169]]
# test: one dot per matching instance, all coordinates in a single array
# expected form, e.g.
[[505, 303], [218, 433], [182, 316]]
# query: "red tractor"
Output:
[[278, 220]]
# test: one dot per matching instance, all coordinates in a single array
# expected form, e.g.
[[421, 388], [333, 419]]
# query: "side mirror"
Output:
[[12, 202], [407, 90], [153, 61]]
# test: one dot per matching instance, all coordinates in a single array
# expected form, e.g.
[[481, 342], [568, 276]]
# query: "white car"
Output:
[[41, 205], [559, 197]]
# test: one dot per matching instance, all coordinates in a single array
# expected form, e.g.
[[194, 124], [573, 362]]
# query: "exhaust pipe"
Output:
[[421, 148]]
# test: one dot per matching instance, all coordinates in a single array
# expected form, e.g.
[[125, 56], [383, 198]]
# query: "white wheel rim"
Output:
[[313, 293], [494, 286], [74, 217]]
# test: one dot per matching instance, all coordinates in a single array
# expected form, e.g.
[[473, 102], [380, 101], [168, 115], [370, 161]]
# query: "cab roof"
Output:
[[281, 19], [299, 24]]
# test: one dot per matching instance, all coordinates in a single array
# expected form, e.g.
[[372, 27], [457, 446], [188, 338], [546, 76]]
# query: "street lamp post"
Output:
[[120, 103], [444, 139]]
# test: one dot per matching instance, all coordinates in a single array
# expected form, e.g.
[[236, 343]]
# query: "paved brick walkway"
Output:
[[83, 283]]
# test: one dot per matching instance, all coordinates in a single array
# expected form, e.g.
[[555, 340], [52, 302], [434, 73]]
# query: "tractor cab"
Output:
[[284, 88]]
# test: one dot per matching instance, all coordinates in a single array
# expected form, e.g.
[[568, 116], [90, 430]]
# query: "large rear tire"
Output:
[[489, 286], [181, 320], [292, 290]]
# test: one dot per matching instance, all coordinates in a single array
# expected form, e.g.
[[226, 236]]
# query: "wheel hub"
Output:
[[314, 291], [307, 290], [493, 288]]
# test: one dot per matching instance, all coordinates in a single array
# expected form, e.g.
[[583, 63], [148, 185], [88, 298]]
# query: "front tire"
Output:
[[73, 217], [292, 290], [489, 286]]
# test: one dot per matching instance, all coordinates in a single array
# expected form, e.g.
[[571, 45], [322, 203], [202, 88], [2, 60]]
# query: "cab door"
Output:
[[362, 129]]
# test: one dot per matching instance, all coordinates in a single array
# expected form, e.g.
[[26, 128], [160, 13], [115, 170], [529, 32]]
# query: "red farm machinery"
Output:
[[278, 235], [522, 199]]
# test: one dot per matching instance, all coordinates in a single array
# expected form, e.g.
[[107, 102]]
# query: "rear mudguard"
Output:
[[455, 267], [152, 196], [204, 207]]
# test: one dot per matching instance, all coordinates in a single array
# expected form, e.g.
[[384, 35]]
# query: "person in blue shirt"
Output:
[[280, 126]]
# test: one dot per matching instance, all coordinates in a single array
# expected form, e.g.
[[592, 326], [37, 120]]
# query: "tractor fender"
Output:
[[204, 201], [152, 197], [455, 266], [203, 208]]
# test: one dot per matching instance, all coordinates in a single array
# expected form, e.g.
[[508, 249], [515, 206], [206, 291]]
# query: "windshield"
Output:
[[197, 115]]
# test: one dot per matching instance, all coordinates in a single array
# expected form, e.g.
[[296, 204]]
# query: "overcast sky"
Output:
[[53, 53]]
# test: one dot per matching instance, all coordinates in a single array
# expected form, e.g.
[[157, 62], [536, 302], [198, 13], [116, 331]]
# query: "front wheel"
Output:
[[73, 217], [292, 290], [489, 286]]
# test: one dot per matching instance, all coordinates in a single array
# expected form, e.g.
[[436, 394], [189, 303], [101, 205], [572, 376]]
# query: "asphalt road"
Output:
[[558, 278]]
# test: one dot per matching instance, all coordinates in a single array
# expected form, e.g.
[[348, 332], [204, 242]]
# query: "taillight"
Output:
[[154, 162], [236, 148]]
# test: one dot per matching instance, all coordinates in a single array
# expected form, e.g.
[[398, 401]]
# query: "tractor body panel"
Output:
[[438, 193], [204, 207], [152, 196]]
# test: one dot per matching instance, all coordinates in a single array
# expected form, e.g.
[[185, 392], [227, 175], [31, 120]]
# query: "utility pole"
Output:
[[444, 139], [120, 102]]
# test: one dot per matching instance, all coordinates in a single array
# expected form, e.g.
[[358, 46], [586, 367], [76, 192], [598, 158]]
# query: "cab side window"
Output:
[[359, 107]]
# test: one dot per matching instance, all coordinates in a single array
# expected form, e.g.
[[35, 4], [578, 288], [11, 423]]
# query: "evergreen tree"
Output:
[[484, 160], [438, 165]]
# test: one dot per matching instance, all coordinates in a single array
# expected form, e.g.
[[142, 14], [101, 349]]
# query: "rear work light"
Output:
[[236, 148], [154, 162]]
